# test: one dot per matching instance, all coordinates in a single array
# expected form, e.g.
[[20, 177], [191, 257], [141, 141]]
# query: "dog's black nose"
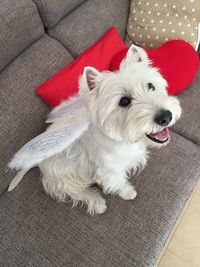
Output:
[[163, 118]]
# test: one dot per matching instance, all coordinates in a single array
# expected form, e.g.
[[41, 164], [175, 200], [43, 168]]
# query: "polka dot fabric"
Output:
[[153, 22]]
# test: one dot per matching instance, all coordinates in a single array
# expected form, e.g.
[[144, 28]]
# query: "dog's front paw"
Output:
[[97, 206], [128, 192]]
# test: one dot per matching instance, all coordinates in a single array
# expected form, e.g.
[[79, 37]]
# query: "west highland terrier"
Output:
[[129, 110]]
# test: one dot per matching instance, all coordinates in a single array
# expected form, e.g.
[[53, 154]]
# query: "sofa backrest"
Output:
[[20, 25], [52, 11]]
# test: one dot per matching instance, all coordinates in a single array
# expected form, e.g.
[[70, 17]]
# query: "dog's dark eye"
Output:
[[125, 101], [151, 87]]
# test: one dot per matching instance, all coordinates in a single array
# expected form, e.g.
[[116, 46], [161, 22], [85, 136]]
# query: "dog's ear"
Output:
[[134, 54], [90, 74]]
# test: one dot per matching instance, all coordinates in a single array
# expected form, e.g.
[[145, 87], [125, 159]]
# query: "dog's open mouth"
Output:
[[159, 137]]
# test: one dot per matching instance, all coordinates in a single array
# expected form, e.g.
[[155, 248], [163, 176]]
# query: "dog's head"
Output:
[[131, 104]]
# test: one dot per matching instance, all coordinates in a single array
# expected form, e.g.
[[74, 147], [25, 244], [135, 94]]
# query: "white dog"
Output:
[[128, 111]]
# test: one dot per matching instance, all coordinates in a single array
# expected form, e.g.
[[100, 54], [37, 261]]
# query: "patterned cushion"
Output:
[[151, 23]]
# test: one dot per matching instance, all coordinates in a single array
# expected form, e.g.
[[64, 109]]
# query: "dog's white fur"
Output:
[[116, 139]]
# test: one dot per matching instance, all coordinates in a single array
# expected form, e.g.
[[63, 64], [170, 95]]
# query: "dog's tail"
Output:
[[17, 179]]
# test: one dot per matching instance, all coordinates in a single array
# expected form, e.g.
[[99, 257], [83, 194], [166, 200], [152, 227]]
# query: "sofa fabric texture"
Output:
[[52, 11], [189, 124], [22, 113], [86, 24], [20, 25], [38, 231]]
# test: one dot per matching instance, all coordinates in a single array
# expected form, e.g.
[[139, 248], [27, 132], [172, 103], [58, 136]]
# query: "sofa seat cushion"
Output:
[[189, 124], [22, 113], [38, 231], [86, 24], [52, 11], [20, 25]]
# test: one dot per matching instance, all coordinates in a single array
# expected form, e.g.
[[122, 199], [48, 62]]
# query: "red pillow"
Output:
[[65, 83], [177, 61]]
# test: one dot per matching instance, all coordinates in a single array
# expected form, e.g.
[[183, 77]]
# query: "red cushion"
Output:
[[177, 61], [65, 83]]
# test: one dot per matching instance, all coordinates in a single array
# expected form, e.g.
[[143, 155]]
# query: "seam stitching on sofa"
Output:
[[67, 14], [68, 49], [31, 43], [187, 138], [43, 18]]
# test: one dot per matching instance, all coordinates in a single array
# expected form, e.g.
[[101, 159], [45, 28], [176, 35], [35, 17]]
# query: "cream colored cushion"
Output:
[[153, 22]]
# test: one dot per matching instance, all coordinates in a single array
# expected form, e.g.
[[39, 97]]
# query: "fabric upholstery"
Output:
[[52, 11], [20, 25], [22, 113], [189, 124], [151, 23], [86, 24], [37, 231]]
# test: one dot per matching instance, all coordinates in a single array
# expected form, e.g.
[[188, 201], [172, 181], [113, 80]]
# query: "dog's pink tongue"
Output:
[[161, 136]]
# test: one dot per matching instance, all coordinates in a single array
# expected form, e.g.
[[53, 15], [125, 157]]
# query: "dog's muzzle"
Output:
[[162, 118], [159, 137]]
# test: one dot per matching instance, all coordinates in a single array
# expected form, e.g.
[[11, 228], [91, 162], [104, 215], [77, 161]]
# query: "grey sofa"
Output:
[[38, 38]]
